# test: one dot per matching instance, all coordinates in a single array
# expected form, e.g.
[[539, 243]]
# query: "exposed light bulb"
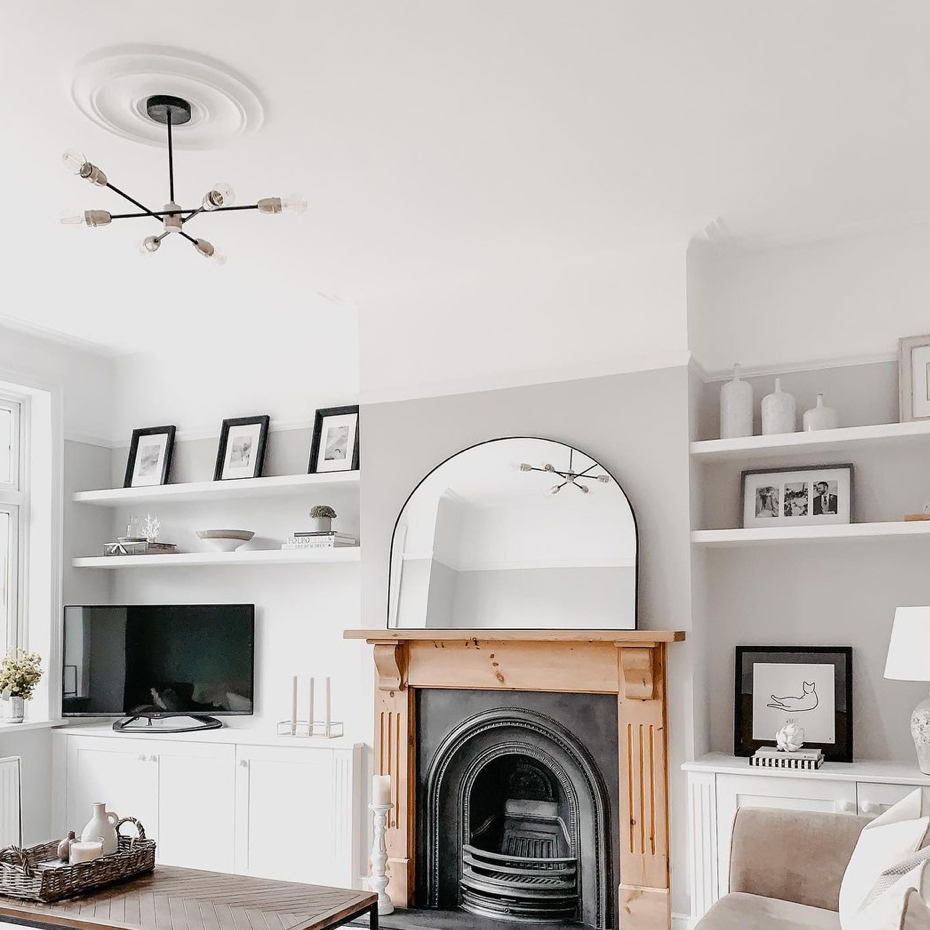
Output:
[[555, 489], [583, 488], [220, 195], [548, 467], [208, 250], [294, 203], [604, 479], [74, 161], [149, 245], [71, 219], [90, 218], [525, 466]]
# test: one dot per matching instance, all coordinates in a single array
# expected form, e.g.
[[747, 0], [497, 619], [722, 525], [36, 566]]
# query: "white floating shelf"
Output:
[[788, 534], [218, 490], [760, 447], [246, 557]]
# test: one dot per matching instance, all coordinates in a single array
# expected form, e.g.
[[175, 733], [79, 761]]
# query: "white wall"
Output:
[[849, 298]]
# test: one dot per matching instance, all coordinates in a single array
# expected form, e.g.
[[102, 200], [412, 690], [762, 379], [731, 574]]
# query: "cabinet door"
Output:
[[196, 805], [285, 815], [121, 773], [779, 791], [875, 799]]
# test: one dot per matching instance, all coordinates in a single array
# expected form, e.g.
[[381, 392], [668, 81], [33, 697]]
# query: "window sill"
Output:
[[6, 727]]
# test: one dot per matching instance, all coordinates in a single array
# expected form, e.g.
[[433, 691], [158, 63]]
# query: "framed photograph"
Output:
[[810, 686], [807, 496], [149, 457], [241, 452], [914, 378], [335, 440]]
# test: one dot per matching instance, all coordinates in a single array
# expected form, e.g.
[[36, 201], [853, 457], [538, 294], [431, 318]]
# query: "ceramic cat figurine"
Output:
[[806, 701]]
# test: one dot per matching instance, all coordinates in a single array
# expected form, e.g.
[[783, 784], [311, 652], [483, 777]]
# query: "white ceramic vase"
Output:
[[820, 417], [735, 408], [102, 825], [779, 412]]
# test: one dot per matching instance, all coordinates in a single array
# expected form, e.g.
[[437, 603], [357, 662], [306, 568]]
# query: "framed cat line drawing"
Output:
[[811, 686]]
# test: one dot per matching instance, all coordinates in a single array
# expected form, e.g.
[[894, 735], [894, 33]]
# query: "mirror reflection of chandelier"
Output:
[[569, 476]]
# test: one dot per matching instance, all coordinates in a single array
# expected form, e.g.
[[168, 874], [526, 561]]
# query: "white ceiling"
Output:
[[447, 143]]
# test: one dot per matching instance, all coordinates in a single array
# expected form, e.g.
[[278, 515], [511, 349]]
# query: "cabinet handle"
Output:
[[141, 757], [872, 807], [847, 807], [153, 758], [244, 763]]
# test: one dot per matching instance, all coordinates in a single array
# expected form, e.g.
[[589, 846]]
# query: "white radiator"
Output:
[[11, 803]]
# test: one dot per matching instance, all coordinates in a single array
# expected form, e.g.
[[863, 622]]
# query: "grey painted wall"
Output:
[[636, 425]]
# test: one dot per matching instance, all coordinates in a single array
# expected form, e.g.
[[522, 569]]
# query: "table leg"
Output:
[[373, 917]]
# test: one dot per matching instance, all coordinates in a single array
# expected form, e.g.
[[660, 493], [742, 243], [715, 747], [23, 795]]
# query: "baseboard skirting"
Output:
[[683, 922]]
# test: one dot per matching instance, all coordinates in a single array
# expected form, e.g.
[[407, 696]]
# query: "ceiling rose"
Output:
[[111, 88]]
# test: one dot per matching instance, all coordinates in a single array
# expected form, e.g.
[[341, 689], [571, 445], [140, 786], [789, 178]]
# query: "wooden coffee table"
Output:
[[172, 898]]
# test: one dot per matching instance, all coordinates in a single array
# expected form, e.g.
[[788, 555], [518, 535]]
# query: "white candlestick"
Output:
[[381, 790], [294, 706], [379, 880], [310, 710], [328, 700], [85, 851]]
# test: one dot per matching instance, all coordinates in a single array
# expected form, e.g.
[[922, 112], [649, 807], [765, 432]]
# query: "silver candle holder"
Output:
[[309, 726]]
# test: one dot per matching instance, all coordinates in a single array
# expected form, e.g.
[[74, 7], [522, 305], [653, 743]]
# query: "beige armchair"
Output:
[[785, 871]]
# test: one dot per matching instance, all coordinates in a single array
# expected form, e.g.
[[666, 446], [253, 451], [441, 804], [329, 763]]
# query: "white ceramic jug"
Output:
[[103, 825]]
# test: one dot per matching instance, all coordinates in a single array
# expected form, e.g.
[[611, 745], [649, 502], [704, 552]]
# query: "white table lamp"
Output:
[[909, 660]]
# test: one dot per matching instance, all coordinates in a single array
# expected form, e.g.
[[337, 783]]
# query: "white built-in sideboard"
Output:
[[719, 784], [224, 800]]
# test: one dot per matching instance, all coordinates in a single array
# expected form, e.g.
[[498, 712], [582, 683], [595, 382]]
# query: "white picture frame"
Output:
[[914, 378]]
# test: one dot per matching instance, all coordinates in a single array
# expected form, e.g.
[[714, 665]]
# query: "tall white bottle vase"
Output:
[[820, 417], [779, 412], [735, 408]]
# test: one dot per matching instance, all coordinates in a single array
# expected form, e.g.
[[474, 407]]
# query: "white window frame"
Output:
[[14, 501]]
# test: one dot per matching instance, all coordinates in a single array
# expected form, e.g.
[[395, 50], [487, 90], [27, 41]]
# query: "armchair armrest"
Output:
[[795, 856]]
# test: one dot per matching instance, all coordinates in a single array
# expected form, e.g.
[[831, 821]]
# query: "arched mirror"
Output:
[[515, 534]]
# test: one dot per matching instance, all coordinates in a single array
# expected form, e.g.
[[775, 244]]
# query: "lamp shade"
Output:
[[909, 649]]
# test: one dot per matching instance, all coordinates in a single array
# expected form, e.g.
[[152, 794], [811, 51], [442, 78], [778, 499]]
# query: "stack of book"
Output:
[[770, 757], [138, 547], [324, 540]]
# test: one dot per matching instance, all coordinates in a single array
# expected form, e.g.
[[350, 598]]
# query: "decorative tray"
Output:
[[36, 873]]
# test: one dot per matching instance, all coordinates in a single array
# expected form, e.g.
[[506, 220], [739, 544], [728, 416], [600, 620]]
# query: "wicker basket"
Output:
[[22, 877]]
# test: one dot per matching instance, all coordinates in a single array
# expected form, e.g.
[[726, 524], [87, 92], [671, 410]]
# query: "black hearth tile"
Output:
[[453, 919]]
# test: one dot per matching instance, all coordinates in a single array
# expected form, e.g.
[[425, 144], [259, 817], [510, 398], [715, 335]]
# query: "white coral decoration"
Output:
[[151, 527], [790, 738]]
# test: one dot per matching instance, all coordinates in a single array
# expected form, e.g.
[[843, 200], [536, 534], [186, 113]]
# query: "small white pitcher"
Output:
[[102, 825]]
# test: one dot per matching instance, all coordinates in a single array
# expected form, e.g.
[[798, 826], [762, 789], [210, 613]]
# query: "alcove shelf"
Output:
[[241, 489], [802, 534], [761, 447], [246, 557]]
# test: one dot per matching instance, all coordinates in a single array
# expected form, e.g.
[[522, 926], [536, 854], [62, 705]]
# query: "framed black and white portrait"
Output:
[[334, 446], [810, 686], [149, 459], [241, 452], [807, 496], [914, 378]]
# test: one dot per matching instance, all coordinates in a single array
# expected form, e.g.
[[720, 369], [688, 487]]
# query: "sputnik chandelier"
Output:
[[570, 476], [170, 111]]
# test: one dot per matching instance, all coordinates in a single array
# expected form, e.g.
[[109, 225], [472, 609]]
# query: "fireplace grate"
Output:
[[519, 887]]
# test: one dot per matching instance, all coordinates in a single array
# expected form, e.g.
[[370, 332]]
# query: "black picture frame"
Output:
[[257, 463], [842, 466], [165, 470], [841, 657], [318, 423]]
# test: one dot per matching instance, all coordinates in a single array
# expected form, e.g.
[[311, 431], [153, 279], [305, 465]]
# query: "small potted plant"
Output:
[[321, 518], [20, 672]]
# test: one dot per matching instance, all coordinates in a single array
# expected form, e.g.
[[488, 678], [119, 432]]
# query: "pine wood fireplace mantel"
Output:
[[628, 663]]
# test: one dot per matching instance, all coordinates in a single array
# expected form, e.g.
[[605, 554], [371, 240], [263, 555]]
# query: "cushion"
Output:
[[740, 911], [884, 843], [898, 897]]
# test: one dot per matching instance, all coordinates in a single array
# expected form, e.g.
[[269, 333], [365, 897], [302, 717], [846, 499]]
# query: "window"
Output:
[[12, 510]]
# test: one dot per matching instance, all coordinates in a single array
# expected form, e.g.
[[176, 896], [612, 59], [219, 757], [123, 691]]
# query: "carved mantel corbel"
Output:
[[391, 665], [638, 672]]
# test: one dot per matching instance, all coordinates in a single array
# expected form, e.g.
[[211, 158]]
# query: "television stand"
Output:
[[160, 723]]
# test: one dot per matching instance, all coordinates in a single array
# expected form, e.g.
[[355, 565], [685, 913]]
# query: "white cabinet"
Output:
[[719, 785], [224, 802], [291, 817]]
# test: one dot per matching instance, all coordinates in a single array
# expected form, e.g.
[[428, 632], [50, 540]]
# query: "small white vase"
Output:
[[17, 711], [735, 408], [820, 417], [779, 412], [102, 825], [321, 524]]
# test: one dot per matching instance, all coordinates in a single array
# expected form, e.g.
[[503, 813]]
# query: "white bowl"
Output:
[[224, 540]]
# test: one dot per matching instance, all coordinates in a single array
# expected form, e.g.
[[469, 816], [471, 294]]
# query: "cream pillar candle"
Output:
[[310, 710], [85, 851], [381, 790], [294, 705], [328, 705]]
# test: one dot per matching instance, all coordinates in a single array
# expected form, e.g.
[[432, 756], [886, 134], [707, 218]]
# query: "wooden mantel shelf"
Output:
[[631, 637]]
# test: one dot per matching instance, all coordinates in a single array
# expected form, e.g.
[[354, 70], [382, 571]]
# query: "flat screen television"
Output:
[[158, 661]]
